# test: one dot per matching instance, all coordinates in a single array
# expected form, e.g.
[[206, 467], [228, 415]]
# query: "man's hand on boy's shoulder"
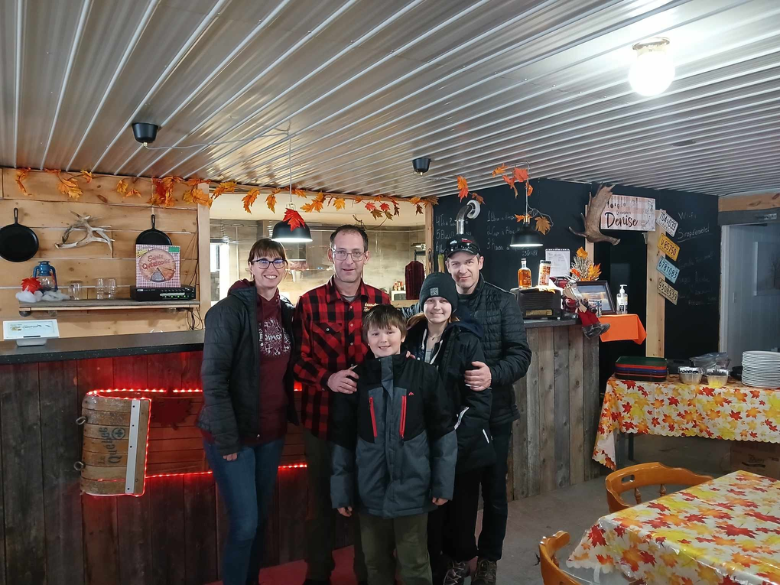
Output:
[[346, 511], [344, 381]]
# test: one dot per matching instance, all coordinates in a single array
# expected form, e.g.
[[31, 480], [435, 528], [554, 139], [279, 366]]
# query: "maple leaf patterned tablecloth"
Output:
[[721, 532], [674, 409]]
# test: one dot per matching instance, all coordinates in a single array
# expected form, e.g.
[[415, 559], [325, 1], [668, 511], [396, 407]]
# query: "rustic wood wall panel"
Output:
[[25, 542], [558, 405], [48, 213], [60, 437]]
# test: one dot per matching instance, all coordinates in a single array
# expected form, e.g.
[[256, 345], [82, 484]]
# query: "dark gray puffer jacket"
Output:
[[504, 342], [393, 441]]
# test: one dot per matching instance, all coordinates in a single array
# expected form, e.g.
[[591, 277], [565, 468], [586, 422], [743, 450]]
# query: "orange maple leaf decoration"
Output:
[[223, 187], [499, 170], [385, 207], [69, 186], [463, 188], [370, 206], [133, 193], [418, 209], [87, 176], [432, 200], [528, 189], [31, 284], [542, 224], [339, 203], [270, 201], [315, 205], [121, 187], [479, 198], [21, 175], [249, 199], [520, 218], [299, 192], [415, 200], [520, 175], [293, 218]]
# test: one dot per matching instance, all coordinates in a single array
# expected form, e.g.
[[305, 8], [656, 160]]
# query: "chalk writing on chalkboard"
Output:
[[684, 236]]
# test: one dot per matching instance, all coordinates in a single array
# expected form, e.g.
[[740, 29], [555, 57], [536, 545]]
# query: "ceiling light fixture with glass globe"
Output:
[[653, 69]]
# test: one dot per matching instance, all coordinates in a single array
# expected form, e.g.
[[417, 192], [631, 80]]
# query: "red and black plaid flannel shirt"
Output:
[[329, 330]]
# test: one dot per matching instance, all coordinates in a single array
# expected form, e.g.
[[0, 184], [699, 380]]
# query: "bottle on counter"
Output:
[[622, 301], [524, 276], [545, 266]]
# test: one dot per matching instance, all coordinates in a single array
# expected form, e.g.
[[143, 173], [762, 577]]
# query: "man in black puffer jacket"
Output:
[[507, 357]]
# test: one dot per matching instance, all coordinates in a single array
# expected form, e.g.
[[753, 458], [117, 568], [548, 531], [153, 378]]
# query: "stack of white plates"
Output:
[[761, 369]]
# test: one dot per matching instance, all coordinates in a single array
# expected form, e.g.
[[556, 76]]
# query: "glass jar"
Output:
[[524, 276], [544, 272]]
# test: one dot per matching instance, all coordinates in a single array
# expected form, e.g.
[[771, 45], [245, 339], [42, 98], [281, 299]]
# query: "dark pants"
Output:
[[452, 526], [495, 511], [247, 487], [406, 536], [321, 517]]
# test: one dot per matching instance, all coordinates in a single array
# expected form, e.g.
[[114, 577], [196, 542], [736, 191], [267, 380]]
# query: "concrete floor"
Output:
[[573, 509]]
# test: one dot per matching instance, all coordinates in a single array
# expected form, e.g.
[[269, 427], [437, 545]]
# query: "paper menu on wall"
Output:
[[560, 259]]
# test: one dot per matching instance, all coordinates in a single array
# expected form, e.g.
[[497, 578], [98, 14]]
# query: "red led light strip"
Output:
[[146, 458]]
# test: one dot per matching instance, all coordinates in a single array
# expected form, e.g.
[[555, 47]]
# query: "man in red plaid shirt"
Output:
[[329, 322]]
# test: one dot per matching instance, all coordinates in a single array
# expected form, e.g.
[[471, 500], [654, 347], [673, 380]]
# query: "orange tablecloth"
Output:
[[724, 531], [674, 409], [624, 328]]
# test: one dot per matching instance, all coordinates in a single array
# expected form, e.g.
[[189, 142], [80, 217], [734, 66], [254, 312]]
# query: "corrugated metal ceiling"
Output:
[[363, 87]]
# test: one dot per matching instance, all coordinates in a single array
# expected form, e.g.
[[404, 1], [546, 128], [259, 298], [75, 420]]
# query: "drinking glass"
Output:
[[100, 289], [75, 290], [111, 288]]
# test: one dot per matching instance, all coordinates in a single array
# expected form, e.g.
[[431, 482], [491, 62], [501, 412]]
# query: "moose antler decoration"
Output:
[[596, 206], [93, 234]]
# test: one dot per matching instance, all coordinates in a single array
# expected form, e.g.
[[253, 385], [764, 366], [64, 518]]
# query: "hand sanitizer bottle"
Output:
[[622, 300]]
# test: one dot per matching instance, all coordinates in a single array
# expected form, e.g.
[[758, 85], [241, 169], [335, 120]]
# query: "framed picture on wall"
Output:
[[598, 290]]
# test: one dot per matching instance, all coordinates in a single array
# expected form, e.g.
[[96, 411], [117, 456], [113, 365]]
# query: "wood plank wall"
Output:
[[49, 212], [558, 400], [173, 534]]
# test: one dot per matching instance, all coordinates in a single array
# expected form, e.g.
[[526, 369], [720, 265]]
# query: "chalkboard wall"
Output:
[[691, 326]]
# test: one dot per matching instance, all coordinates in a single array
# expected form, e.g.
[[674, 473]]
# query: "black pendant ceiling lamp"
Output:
[[526, 236], [282, 232]]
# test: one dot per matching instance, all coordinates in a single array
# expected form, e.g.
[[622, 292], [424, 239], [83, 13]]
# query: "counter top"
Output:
[[83, 348]]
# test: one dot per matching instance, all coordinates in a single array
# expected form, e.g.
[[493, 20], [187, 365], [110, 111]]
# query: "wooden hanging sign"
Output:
[[666, 291], [666, 222], [668, 247], [669, 270], [629, 213]]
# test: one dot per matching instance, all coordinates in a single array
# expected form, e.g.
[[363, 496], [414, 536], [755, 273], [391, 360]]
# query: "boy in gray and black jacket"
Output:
[[394, 452]]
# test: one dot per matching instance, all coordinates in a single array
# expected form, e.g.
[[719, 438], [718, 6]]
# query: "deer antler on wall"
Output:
[[596, 206], [93, 234]]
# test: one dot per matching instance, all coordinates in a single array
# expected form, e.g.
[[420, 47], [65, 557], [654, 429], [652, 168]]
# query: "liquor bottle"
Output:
[[524, 276]]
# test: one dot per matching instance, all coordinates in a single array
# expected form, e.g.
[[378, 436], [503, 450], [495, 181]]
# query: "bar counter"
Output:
[[173, 533]]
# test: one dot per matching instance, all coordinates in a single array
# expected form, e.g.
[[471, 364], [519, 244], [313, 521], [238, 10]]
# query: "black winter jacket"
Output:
[[459, 346], [231, 370], [503, 340], [393, 441]]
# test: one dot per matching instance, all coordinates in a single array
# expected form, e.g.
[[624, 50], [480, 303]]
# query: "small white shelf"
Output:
[[52, 307]]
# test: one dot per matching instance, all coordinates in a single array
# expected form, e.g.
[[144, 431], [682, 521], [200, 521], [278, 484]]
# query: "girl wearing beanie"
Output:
[[439, 338]]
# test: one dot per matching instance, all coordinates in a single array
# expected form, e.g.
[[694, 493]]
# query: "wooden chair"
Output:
[[551, 572], [646, 474]]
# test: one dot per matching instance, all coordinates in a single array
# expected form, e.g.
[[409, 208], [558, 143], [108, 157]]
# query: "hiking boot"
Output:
[[486, 573], [457, 573]]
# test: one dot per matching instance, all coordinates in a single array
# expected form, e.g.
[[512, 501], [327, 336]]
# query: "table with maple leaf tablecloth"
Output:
[[725, 531], [674, 409]]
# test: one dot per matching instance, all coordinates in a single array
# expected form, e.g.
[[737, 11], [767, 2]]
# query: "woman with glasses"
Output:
[[248, 392]]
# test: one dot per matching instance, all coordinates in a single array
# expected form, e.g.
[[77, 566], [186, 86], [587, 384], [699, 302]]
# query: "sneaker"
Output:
[[457, 573], [486, 573]]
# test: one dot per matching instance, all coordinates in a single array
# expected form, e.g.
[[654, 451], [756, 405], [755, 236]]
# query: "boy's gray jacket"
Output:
[[393, 441]]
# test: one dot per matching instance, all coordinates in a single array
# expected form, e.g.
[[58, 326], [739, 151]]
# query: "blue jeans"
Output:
[[247, 487]]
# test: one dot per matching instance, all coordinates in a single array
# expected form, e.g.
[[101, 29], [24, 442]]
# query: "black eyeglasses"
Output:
[[341, 255], [265, 263]]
